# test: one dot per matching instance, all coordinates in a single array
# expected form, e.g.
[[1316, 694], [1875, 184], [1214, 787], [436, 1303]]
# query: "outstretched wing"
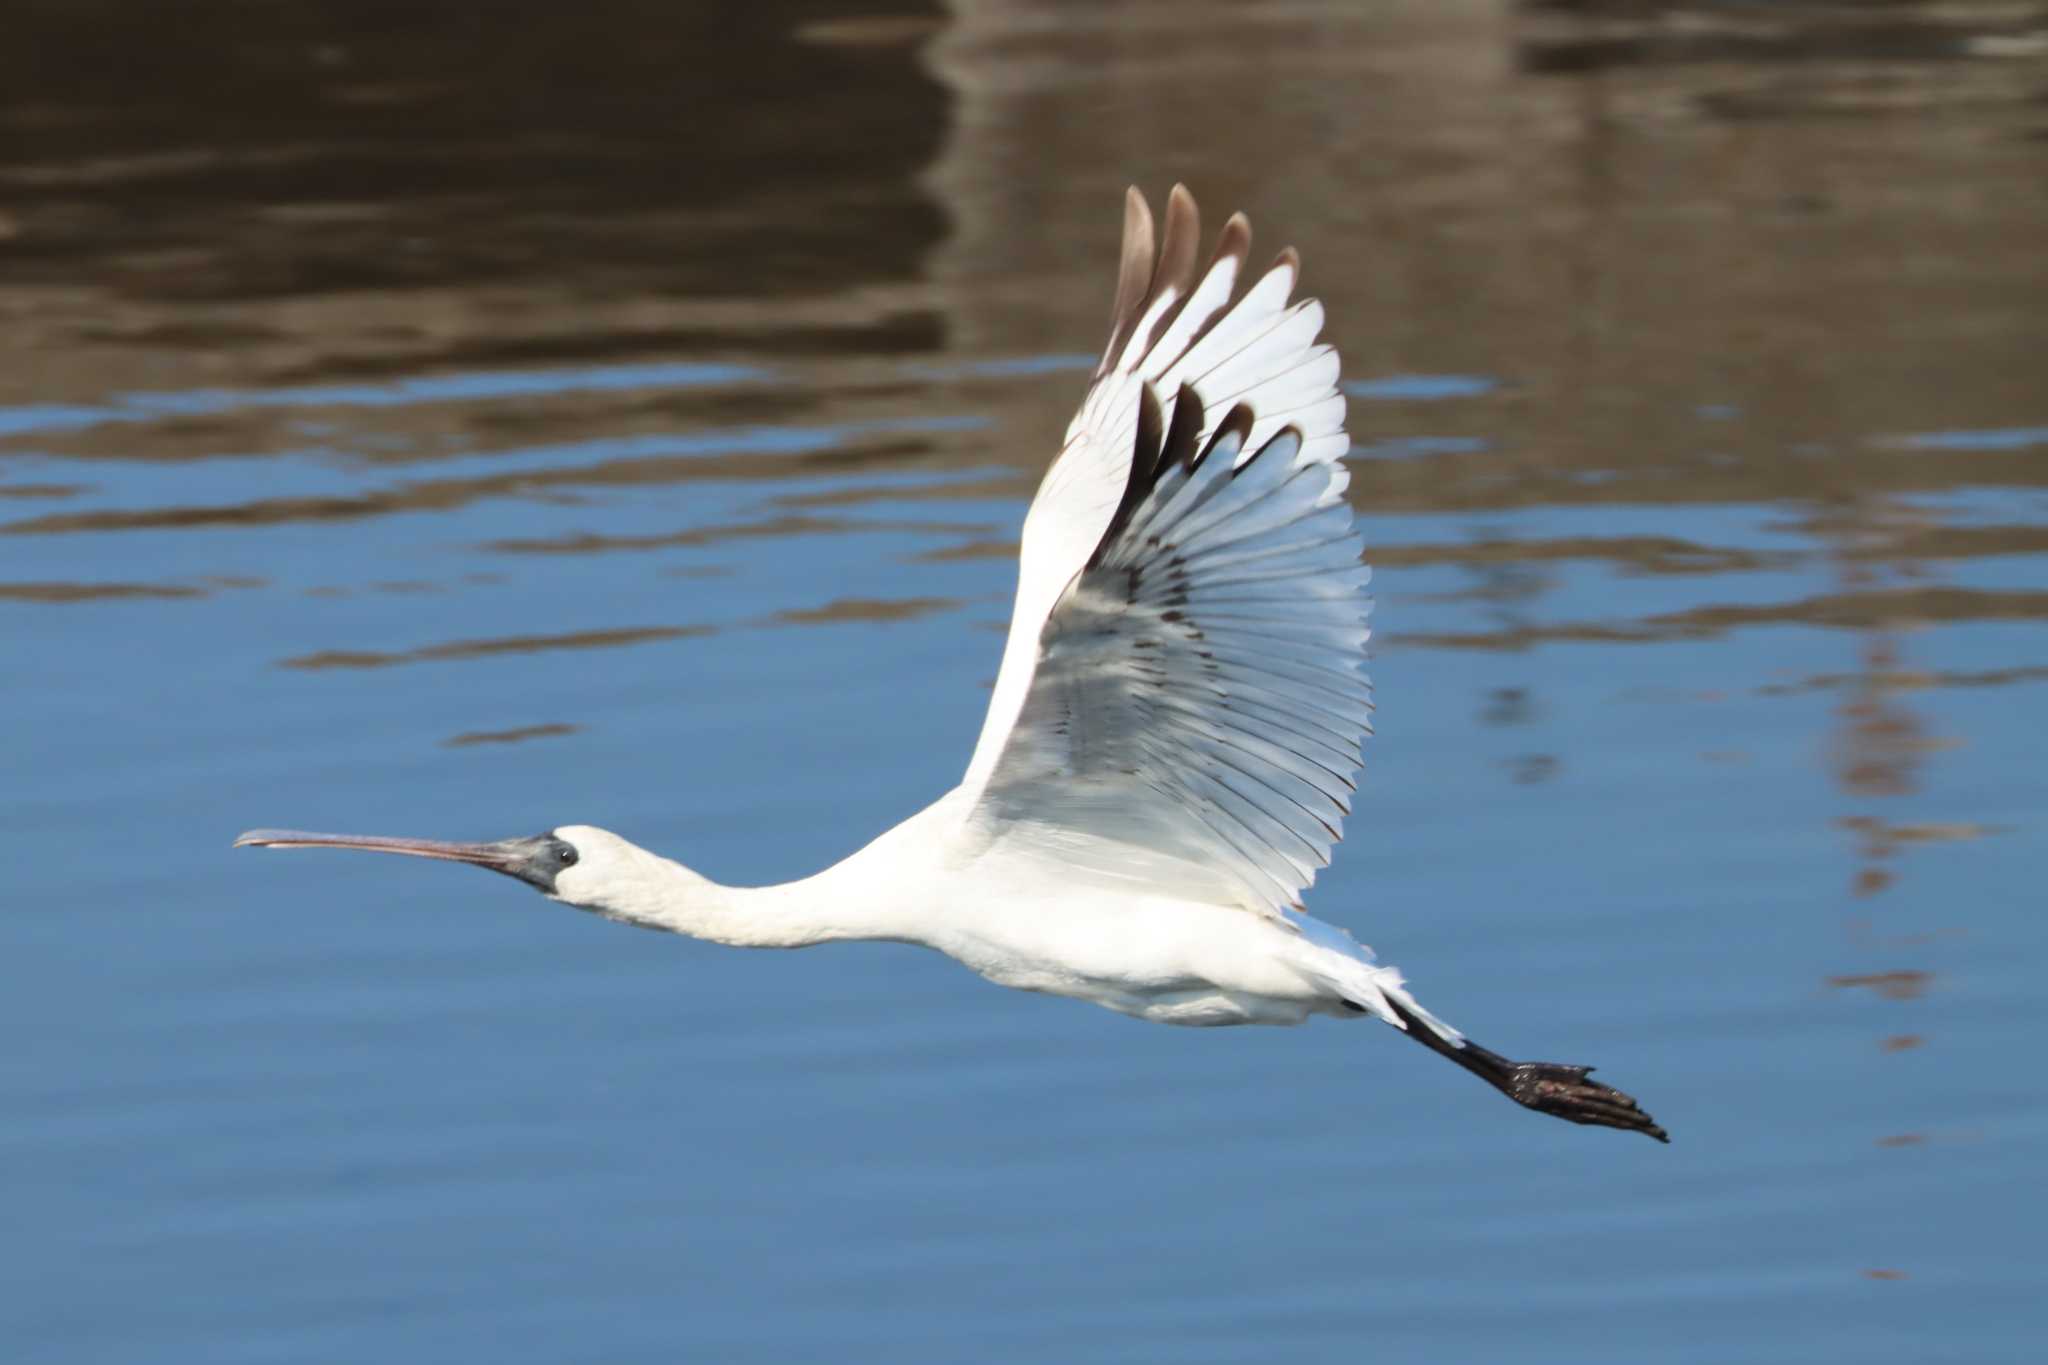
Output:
[[1180, 702]]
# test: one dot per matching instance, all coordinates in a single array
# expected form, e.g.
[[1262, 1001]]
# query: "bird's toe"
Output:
[[1565, 1092]]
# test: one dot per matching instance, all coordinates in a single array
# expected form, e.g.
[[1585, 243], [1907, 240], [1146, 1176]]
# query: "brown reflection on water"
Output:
[[1898, 985], [593, 543], [425, 147], [1623, 239], [315, 193], [470, 738], [1680, 281], [481, 649], [1835, 611], [840, 610], [867, 609], [1776, 42], [1633, 554], [1921, 542], [1506, 588], [449, 494], [972, 549], [787, 330], [26, 491], [1889, 838], [1882, 744], [93, 592], [1908, 680], [1013, 489]]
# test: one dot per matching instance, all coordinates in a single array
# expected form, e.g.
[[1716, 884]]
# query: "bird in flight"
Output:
[[1169, 750]]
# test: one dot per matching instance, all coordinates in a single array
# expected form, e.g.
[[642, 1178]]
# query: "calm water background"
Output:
[[470, 421]]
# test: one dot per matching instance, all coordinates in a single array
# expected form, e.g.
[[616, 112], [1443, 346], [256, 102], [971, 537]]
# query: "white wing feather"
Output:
[[1180, 704]]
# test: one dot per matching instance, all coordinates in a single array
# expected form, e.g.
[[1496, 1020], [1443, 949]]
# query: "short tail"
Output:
[[1394, 988], [1347, 967]]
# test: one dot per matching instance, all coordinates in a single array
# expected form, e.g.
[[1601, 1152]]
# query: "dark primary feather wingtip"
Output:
[[1245, 461], [1137, 218], [1182, 433], [1133, 274], [1237, 422], [1175, 269], [1235, 240]]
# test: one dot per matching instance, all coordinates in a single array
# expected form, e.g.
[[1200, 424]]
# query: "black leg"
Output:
[[1547, 1087]]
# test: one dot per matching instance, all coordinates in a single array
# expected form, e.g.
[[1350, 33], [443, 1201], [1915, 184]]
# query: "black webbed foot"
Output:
[[1561, 1091], [1565, 1092]]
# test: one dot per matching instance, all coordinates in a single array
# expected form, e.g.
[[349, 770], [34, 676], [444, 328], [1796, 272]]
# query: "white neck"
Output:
[[655, 893]]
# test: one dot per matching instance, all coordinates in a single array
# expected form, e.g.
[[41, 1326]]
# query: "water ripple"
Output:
[[482, 649], [1422, 388], [451, 388]]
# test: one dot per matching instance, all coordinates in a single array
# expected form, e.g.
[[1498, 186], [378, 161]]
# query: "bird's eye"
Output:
[[565, 855]]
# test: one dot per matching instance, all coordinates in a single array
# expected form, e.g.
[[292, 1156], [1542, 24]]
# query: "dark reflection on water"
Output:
[[233, 151], [483, 649], [92, 592], [1701, 443], [868, 609], [43, 490], [585, 542], [517, 736], [1899, 985], [1850, 611]]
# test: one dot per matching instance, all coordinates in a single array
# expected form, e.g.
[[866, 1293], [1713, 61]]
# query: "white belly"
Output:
[[1168, 961]]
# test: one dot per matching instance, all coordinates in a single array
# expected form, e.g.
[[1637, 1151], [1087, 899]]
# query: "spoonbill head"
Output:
[[579, 865]]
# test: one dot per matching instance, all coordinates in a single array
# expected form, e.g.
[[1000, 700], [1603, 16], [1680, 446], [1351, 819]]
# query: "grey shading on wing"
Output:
[[1186, 708]]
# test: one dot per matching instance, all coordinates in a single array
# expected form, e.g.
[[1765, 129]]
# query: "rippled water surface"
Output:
[[458, 424]]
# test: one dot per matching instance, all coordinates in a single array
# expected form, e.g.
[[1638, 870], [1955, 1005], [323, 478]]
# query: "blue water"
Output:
[[1723, 774]]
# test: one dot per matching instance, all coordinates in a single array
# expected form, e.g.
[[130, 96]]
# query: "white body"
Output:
[[1014, 913]]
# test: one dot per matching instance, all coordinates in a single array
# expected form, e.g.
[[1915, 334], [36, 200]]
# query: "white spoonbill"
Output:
[[1168, 753]]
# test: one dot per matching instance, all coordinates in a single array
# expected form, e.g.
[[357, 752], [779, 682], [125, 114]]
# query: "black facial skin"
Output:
[[539, 860]]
